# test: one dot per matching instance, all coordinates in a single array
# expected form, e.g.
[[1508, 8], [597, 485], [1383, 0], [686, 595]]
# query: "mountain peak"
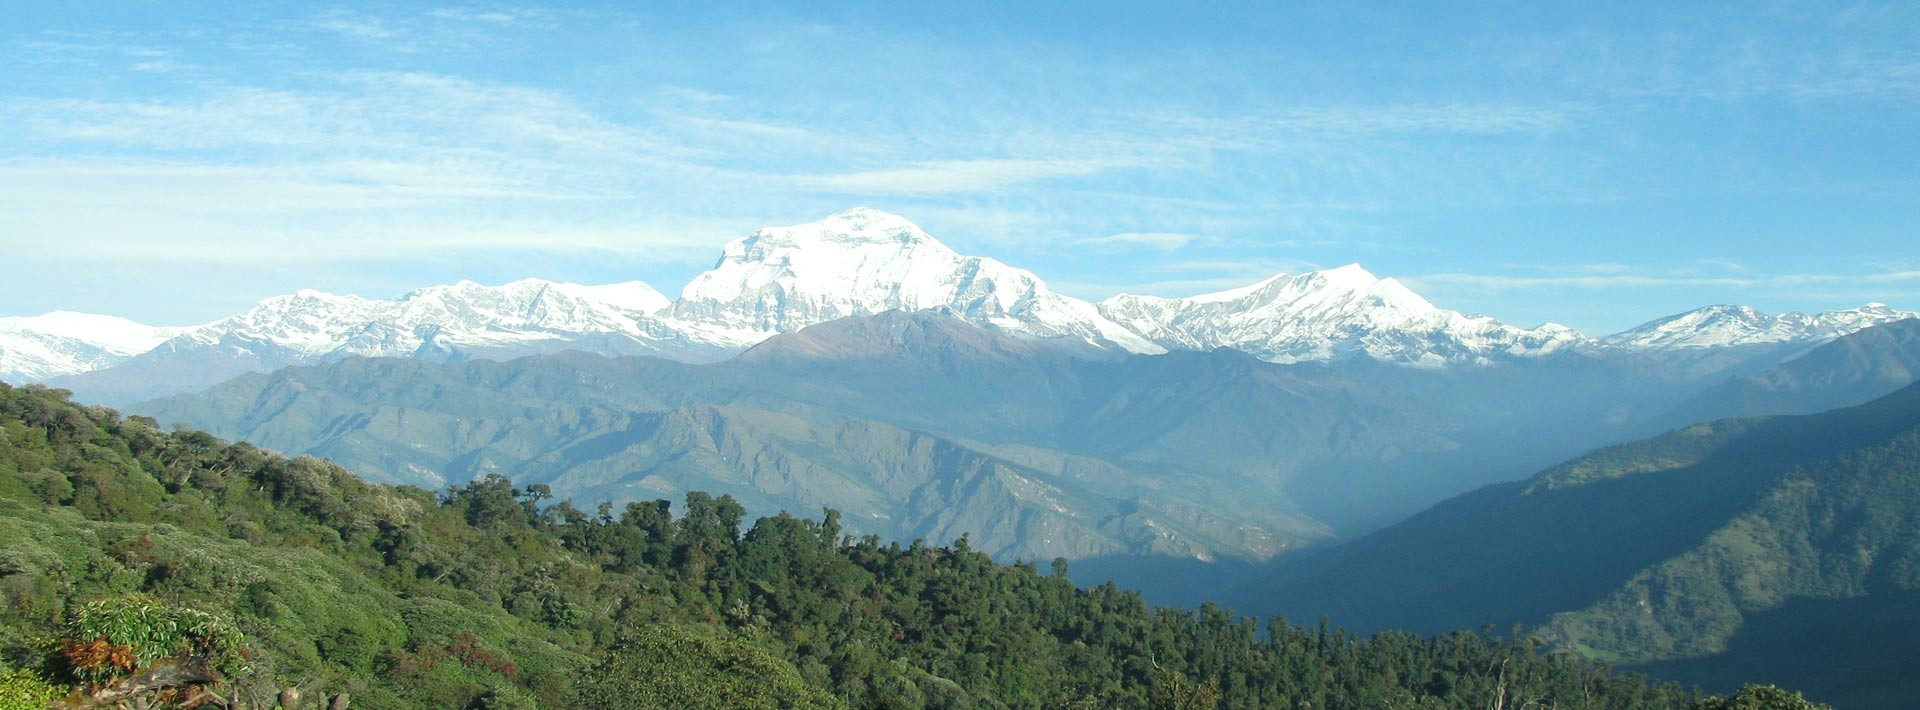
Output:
[[863, 262], [1328, 314], [1343, 287], [66, 342], [310, 294], [851, 229], [1351, 275], [861, 217]]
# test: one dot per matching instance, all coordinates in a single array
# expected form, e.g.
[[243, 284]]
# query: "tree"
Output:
[[667, 667], [1172, 691], [1761, 697]]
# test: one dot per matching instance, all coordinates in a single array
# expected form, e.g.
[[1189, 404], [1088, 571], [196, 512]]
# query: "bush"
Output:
[[1761, 697], [24, 690], [113, 637], [665, 667]]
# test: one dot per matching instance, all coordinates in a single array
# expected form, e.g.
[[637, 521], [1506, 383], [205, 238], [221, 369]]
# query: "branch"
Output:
[[191, 669]]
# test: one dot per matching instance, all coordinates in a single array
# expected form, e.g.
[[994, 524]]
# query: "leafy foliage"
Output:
[[667, 667], [492, 595], [1761, 697], [26, 690], [117, 635]]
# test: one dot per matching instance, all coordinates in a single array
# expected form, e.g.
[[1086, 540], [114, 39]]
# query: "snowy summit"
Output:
[[1729, 326], [1325, 315], [862, 262], [66, 343]]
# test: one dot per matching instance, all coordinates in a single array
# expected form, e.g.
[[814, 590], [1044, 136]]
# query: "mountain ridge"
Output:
[[1727, 325], [1848, 370], [860, 262]]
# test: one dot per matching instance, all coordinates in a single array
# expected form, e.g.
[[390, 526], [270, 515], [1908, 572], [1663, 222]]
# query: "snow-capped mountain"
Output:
[[1731, 326], [64, 343], [858, 262], [863, 262], [1331, 314], [462, 320], [465, 317]]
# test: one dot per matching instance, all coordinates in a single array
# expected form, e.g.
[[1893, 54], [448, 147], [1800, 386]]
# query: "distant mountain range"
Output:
[[1732, 326], [1848, 370], [915, 425], [1225, 455], [858, 262]]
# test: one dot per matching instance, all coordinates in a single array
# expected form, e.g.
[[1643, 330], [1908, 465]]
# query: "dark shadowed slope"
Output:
[[1657, 550]]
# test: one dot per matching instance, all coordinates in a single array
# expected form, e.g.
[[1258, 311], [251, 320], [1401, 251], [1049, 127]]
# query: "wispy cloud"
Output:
[[1497, 283], [495, 16], [238, 215], [103, 52], [433, 30], [1188, 278], [389, 111], [956, 176], [1163, 241], [188, 188], [365, 28], [1289, 125], [1845, 51], [1504, 282], [361, 166], [694, 95], [1893, 276]]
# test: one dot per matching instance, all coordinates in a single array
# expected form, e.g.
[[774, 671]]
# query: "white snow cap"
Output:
[[1329, 314], [60, 343], [1728, 326], [864, 261]]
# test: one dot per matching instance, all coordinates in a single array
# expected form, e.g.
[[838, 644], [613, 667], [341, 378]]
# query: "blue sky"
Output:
[[1593, 164]]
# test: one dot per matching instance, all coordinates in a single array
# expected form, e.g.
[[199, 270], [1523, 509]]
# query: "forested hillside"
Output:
[[1716, 553], [130, 554]]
